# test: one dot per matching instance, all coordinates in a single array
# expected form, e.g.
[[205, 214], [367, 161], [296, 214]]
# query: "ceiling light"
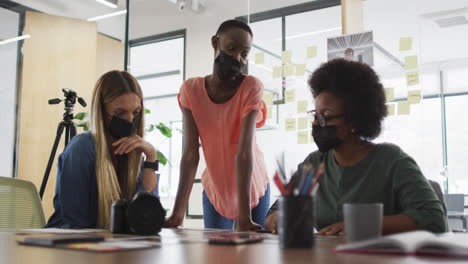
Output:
[[109, 3], [3, 42], [311, 33], [118, 13]]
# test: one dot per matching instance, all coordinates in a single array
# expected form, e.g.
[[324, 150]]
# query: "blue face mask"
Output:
[[325, 137], [120, 128]]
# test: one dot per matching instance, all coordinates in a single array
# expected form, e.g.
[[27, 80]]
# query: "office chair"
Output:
[[20, 206], [456, 207]]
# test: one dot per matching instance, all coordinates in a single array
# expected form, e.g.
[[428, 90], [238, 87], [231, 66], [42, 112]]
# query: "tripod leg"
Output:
[[67, 134], [72, 131], [51, 158]]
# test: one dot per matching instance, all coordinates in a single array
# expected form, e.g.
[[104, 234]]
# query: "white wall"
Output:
[[8, 29]]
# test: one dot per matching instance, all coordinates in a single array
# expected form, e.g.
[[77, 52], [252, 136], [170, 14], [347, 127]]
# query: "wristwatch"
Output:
[[151, 165]]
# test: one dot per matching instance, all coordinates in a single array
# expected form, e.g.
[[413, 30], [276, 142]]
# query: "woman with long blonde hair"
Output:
[[105, 164]]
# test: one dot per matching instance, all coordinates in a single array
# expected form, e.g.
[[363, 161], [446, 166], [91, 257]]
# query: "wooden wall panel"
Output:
[[109, 56], [61, 53]]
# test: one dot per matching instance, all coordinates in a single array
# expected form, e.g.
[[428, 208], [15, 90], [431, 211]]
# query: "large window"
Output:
[[158, 64], [433, 133]]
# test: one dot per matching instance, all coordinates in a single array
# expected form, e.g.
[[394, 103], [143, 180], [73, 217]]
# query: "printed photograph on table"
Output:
[[354, 47]]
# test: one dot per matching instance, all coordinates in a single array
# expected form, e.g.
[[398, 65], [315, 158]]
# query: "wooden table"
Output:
[[196, 250]]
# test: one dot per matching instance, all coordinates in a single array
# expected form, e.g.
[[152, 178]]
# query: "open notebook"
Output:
[[412, 243]]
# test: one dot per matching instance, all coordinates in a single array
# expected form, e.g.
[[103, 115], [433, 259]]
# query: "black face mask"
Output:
[[120, 128], [227, 67], [325, 137]]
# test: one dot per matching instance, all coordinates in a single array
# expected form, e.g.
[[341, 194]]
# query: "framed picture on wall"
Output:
[[355, 47]]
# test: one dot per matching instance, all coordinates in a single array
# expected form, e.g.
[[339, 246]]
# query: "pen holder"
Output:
[[296, 221]]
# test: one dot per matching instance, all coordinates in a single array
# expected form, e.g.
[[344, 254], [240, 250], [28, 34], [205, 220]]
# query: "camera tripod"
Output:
[[67, 124]]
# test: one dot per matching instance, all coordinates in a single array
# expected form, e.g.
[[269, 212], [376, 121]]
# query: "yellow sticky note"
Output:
[[311, 52], [406, 44], [302, 137], [411, 62], [300, 69], [259, 58], [389, 94], [288, 70], [289, 96], [287, 55], [391, 109], [302, 123], [277, 72], [269, 112], [268, 98], [403, 108], [414, 97], [302, 106], [290, 124], [412, 78]]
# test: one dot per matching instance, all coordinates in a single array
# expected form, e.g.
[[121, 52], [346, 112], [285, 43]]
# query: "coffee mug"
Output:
[[362, 221]]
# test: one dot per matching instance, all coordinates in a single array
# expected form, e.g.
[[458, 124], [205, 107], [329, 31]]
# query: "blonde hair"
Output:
[[113, 185]]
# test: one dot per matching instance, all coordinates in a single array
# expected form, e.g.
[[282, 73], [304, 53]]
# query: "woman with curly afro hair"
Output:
[[349, 110]]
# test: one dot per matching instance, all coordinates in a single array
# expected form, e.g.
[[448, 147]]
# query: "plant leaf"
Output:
[[162, 159], [151, 128], [147, 111], [80, 116], [164, 130]]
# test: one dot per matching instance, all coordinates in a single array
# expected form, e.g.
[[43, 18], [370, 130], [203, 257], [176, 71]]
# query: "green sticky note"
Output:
[[311, 52], [300, 69], [414, 97], [302, 106], [269, 112], [391, 109], [302, 123], [289, 96], [287, 55], [290, 124], [406, 44], [302, 137], [389, 94], [288, 70], [412, 78], [411, 62], [268, 98], [259, 58], [403, 108], [277, 72]]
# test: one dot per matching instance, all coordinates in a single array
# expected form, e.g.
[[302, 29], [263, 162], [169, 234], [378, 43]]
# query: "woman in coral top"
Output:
[[223, 109]]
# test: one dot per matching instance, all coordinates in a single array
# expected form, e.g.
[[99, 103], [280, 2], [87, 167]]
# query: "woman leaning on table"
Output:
[[349, 110]]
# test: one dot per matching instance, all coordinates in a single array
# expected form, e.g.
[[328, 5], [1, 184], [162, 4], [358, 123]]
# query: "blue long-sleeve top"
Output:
[[76, 194]]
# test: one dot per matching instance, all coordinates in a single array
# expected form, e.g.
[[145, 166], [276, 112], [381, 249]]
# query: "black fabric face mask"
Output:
[[120, 128], [227, 67], [325, 137]]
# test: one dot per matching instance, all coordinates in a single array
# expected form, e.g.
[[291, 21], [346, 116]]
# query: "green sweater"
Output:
[[388, 176]]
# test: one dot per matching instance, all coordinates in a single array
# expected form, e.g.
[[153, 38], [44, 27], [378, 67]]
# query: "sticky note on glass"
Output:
[[411, 62], [288, 70], [302, 123], [302, 106], [289, 96], [391, 109], [389, 94], [268, 98], [269, 112], [414, 97], [287, 55], [259, 58], [290, 124], [406, 44], [302, 137], [412, 78], [311, 52], [403, 108], [300, 69], [277, 72]]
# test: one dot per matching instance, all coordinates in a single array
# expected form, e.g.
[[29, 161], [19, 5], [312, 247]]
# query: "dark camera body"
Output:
[[142, 215]]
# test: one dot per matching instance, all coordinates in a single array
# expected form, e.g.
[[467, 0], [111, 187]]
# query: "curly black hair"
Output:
[[359, 89]]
